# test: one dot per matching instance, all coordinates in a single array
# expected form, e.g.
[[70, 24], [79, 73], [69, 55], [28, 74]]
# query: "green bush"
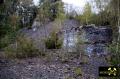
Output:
[[4, 41], [7, 39], [10, 51], [115, 56], [23, 48], [53, 42]]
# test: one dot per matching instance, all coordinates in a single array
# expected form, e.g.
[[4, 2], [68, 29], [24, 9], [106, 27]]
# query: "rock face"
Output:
[[98, 35], [69, 30], [96, 39]]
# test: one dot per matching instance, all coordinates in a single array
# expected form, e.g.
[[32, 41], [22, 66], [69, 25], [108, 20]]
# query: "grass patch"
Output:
[[7, 39], [22, 48], [53, 42], [78, 71]]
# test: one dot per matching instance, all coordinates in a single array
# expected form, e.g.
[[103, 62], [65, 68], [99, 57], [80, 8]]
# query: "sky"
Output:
[[36, 2], [78, 5]]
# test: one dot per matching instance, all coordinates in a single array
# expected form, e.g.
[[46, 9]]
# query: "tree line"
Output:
[[17, 14]]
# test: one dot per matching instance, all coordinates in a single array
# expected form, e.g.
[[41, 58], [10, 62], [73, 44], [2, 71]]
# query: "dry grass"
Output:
[[22, 48]]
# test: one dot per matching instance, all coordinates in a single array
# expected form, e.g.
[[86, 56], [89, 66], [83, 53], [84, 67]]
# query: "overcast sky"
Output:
[[77, 4]]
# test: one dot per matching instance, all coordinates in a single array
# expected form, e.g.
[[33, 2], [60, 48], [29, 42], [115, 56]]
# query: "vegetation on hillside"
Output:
[[43, 24], [23, 48], [13, 17], [17, 14]]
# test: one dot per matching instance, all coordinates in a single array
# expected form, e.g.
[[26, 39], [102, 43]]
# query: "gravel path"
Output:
[[92, 67], [39, 68], [36, 68]]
